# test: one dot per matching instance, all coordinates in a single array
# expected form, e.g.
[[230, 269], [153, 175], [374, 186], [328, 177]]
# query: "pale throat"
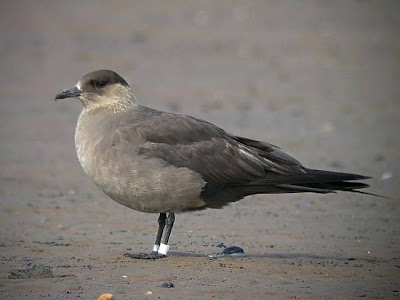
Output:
[[122, 99]]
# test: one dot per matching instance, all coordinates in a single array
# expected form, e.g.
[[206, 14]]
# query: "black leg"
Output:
[[163, 250], [169, 224], [161, 225], [155, 254]]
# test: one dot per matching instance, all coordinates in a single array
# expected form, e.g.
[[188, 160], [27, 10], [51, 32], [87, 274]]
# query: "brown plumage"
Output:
[[159, 162]]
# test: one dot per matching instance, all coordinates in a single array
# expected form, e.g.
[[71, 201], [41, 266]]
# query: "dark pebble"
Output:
[[168, 285], [232, 250]]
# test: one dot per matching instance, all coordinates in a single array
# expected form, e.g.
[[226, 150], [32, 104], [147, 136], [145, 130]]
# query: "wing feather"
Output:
[[220, 158]]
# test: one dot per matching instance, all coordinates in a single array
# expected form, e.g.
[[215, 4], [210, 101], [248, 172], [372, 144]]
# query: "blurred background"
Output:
[[318, 78]]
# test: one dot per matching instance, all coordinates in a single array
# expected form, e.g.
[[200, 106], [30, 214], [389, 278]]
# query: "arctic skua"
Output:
[[159, 162]]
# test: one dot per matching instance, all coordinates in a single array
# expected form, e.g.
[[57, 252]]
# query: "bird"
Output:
[[166, 163]]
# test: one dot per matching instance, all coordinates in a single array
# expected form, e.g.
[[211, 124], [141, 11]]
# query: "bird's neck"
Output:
[[111, 106], [120, 100]]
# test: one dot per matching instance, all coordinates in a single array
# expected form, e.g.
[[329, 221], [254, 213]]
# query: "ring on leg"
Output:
[[154, 254], [164, 247]]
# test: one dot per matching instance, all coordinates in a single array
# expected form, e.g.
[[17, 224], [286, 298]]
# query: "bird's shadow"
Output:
[[286, 256]]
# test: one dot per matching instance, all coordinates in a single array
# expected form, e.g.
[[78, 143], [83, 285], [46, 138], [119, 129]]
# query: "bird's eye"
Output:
[[100, 84]]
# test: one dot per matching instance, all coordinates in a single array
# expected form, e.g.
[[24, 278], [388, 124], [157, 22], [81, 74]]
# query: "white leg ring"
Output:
[[163, 249]]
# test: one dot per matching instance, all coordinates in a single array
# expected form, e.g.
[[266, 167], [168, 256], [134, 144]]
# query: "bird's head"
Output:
[[103, 88]]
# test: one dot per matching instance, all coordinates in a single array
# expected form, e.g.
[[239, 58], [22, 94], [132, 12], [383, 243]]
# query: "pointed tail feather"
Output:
[[310, 177], [314, 181], [328, 176]]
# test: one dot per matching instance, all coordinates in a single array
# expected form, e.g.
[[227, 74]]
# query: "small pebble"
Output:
[[221, 245], [148, 293], [124, 276], [167, 285], [229, 251], [106, 296], [232, 250]]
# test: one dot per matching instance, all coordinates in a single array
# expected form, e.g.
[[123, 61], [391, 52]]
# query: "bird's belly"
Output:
[[144, 184]]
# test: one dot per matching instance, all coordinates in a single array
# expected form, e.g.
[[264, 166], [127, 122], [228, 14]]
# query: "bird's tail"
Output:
[[326, 181], [313, 181]]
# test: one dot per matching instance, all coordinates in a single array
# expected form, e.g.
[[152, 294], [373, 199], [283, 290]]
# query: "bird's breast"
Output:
[[143, 184]]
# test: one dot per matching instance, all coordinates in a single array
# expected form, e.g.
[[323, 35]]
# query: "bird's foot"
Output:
[[152, 255]]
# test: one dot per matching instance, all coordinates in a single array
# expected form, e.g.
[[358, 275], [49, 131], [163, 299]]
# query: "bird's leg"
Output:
[[154, 254], [164, 247], [161, 225]]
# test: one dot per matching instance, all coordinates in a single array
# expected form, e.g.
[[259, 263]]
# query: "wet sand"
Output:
[[318, 79]]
